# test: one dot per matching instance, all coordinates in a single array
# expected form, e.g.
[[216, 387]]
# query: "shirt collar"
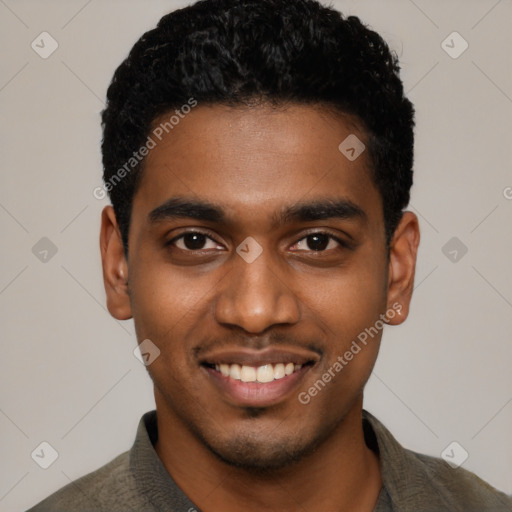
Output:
[[403, 475], [153, 480]]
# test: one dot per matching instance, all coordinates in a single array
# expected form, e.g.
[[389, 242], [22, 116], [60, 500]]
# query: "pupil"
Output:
[[318, 242], [194, 241]]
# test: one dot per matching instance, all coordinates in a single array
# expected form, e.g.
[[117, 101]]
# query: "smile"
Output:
[[262, 374], [250, 378]]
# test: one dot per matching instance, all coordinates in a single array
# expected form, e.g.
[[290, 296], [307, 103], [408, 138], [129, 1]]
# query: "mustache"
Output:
[[272, 339]]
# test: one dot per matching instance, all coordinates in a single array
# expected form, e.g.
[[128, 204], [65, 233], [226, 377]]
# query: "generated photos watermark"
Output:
[[156, 136], [354, 349]]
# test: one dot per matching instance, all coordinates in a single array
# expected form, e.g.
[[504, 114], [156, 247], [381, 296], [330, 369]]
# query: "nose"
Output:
[[256, 296]]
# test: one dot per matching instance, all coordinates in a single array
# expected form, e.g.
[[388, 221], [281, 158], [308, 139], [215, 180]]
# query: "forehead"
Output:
[[253, 161]]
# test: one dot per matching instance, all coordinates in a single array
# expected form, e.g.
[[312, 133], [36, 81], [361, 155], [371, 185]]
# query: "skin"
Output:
[[253, 162]]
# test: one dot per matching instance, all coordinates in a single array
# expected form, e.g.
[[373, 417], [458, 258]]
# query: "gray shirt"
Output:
[[138, 481]]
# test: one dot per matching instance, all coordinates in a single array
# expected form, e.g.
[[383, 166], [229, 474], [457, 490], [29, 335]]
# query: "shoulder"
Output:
[[415, 481], [111, 487], [456, 488]]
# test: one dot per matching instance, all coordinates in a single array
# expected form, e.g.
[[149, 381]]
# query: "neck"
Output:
[[342, 474]]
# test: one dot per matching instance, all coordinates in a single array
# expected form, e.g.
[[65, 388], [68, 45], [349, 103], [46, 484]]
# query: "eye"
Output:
[[194, 241], [319, 242]]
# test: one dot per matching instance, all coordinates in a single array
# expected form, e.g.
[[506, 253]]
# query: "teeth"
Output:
[[265, 373], [224, 369], [248, 374], [262, 374], [289, 369], [279, 371], [234, 372]]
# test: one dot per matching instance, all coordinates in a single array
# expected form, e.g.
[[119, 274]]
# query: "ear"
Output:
[[115, 266], [402, 265]]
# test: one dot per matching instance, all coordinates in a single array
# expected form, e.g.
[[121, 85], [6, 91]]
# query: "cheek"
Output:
[[351, 299], [349, 306], [163, 299], [349, 310]]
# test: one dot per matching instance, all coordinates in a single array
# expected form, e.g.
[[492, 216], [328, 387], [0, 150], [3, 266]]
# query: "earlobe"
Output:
[[115, 266], [402, 266]]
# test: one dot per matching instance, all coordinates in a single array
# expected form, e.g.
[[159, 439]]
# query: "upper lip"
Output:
[[271, 355]]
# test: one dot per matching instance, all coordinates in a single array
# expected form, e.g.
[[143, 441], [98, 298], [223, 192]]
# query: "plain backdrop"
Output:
[[68, 375]]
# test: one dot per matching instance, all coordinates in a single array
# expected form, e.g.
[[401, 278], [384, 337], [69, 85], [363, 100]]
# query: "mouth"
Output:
[[258, 379], [262, 374]]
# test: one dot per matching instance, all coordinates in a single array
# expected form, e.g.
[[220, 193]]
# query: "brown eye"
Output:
[[319, 242], [194, 241]]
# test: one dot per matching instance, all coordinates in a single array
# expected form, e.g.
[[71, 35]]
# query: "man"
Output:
[[258, 155]]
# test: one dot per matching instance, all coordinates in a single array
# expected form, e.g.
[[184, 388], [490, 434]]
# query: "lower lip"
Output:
[[256, 394]]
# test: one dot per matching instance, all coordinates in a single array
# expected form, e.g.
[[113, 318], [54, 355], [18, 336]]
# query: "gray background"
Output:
[[67, 372]]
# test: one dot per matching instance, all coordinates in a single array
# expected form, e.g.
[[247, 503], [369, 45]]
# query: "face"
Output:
[[257, 255]]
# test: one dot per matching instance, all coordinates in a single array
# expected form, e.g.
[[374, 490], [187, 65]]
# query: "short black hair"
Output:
[[246, 52]]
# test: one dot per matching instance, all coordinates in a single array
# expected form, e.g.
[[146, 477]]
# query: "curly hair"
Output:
[[246, 52]]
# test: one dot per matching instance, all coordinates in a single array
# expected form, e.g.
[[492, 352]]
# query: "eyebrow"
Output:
[[303, 211], [320, 209]]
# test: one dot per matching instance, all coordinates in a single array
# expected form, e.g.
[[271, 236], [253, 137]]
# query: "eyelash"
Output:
[[171, 242]]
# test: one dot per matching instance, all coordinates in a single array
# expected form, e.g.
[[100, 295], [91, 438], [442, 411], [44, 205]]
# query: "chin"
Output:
[[255, 458], [262, 453]]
